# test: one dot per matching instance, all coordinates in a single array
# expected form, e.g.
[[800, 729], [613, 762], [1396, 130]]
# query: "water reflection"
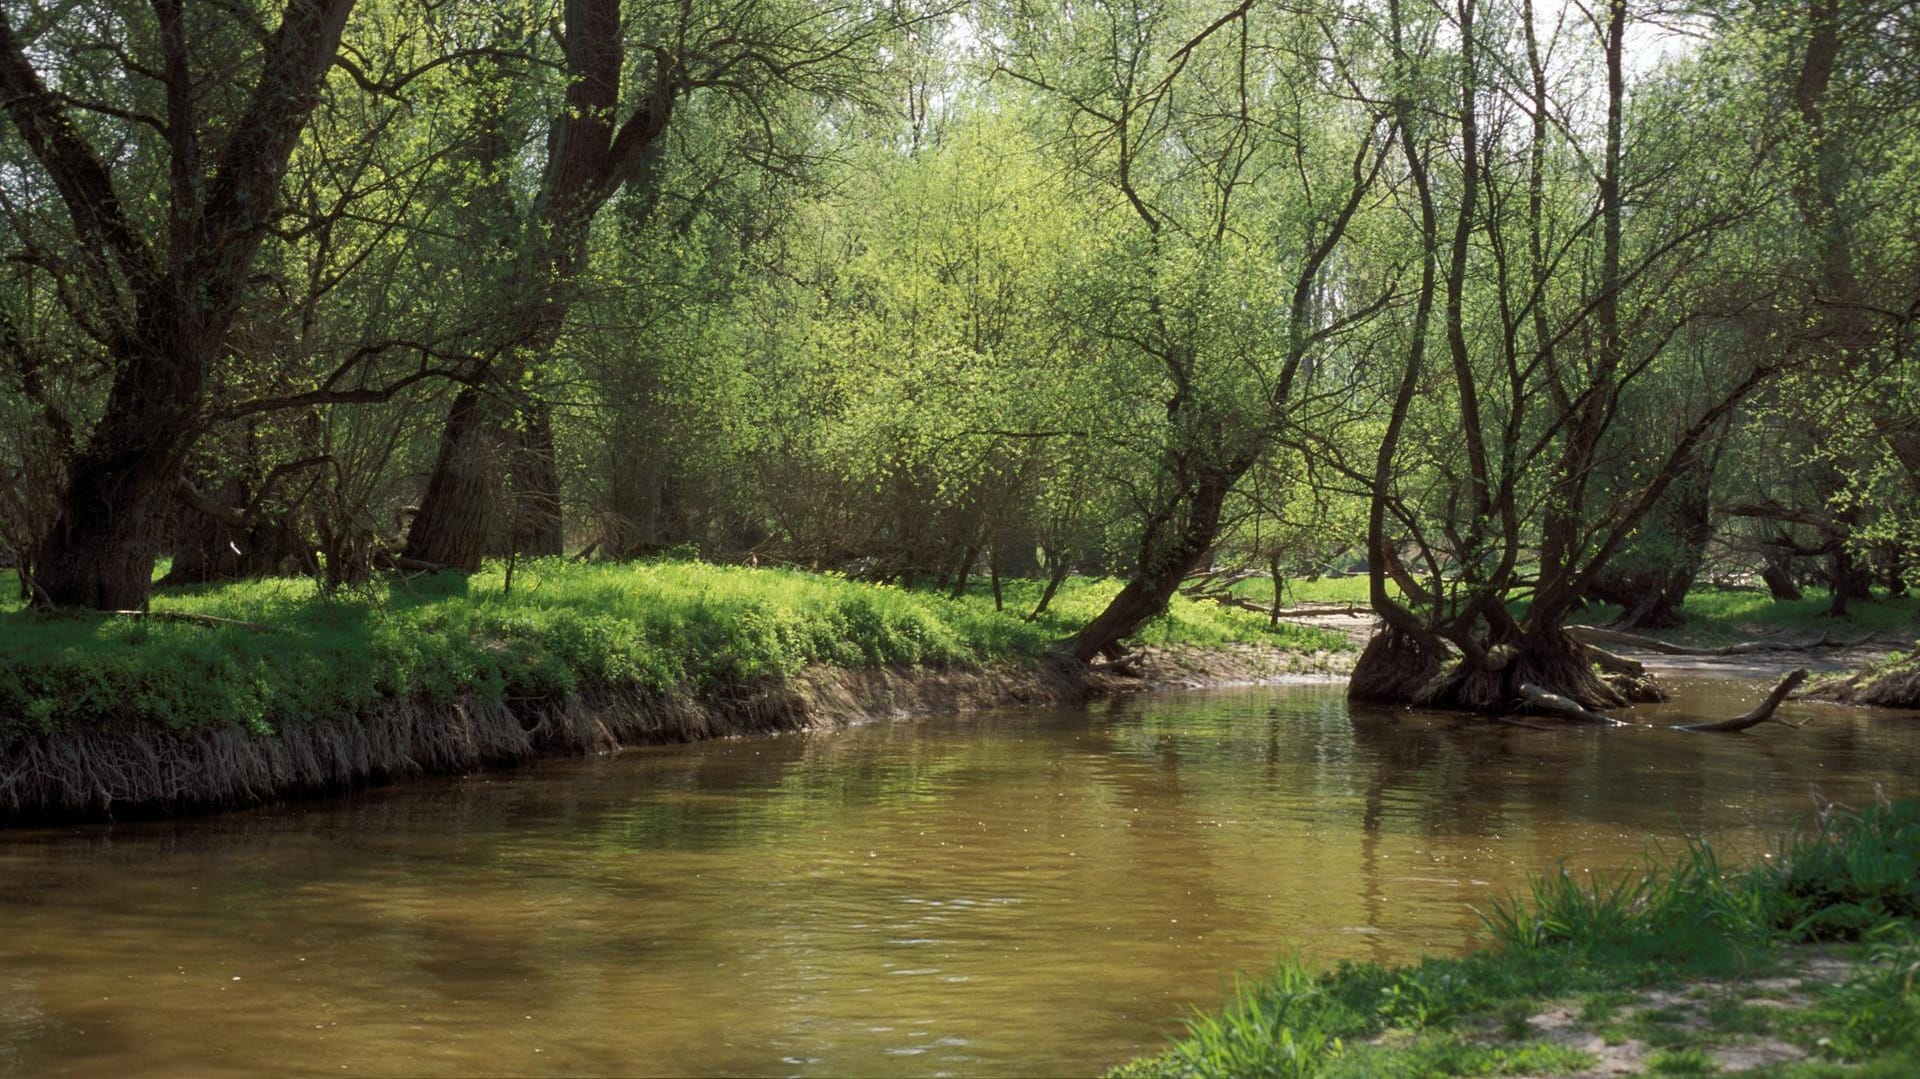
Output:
[[1018, 892]]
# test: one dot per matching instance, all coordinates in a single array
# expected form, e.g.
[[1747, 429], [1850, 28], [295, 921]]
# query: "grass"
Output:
[[1348, 589], [1848, 881], [1713, 615], [1720, 615], [565, 626]]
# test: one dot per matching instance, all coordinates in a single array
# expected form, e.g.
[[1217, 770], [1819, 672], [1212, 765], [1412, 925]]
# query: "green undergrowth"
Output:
[[1848, 886], [564, 626]]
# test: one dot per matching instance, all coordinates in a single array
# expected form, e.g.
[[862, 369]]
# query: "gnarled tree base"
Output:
[[1398, 669]]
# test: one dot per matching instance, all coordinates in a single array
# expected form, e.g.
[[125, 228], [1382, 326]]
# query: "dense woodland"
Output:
[[1513, 307]]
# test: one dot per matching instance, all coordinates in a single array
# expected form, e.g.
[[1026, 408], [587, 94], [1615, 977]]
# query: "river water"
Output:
[[1026, 892]]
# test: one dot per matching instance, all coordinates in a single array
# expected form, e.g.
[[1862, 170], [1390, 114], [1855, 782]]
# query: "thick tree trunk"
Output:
[[588, 160], [101, 550], [183, 294], [459, 510], [102, 547]]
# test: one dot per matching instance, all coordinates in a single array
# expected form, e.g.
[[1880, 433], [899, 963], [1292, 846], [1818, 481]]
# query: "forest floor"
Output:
[[1802, 966], [228, 694]]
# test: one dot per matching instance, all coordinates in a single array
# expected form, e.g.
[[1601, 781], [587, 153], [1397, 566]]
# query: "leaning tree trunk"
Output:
[[1777, 573], [1160, 570]]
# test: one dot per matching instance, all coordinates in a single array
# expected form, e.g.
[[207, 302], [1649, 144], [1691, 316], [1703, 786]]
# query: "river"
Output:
[[1022, 892]]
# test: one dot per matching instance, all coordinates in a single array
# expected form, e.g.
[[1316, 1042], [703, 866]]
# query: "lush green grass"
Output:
[[565, 625], [1854, 879]]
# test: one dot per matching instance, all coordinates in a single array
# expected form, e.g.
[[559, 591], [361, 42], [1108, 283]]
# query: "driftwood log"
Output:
[[1761, 712]]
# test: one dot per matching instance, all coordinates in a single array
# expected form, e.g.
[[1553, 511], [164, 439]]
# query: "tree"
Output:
[[1581, 246], [1231, 156], [156, 282], [598, 144]]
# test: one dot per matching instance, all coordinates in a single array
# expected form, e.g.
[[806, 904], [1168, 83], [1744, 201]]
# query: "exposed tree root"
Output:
[[1397, 669], [1540, 700], [1893, 684], [1761, 712], [1394, 669]]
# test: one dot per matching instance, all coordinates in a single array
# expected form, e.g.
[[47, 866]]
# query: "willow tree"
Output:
[[1229, 156], [1573, 232], [163, 134], [626, 67], [1843, 475]]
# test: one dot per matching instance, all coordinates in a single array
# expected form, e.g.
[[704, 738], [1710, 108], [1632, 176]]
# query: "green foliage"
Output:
[[564, 627]]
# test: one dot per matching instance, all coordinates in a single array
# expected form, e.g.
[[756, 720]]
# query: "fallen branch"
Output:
[[1596, 635], [1761, 712], [1535, 697], [414, 565], [195, 620], [1244, 604]]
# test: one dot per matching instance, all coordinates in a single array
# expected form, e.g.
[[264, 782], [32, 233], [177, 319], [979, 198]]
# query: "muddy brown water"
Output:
[[1028, 892]]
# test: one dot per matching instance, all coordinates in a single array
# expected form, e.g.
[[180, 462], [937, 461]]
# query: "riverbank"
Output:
[[235, 694], [1805, 965]]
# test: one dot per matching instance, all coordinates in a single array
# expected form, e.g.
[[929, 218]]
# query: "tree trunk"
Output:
[[1160, 571], [537, 522], [967, 558], [588, 160], [459, 510], [101, 548], [993, 573], [1848, 582], [1279, 587], [1779, 580], [1058, 566]]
